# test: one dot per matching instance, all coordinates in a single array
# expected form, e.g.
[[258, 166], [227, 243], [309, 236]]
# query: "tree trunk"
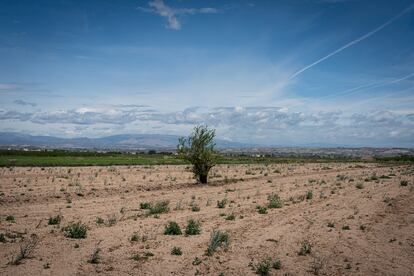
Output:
[[203, 178]]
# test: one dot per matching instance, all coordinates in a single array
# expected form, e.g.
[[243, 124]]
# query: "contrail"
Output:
[[365, 36], [368, 86]]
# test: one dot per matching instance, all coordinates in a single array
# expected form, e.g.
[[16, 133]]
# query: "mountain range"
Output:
[[121, 142]]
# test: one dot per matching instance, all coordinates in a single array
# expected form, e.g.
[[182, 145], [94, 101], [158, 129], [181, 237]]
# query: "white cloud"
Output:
[[172, 14], [24, 103], [269, 125]]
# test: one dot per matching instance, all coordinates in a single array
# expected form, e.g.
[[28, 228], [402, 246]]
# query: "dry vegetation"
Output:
[[281, 219]]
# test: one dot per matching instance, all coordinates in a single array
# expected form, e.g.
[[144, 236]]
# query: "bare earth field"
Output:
[[358, 220]]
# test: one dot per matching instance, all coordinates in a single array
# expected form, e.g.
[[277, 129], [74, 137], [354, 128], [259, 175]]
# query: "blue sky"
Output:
[[331, 72]]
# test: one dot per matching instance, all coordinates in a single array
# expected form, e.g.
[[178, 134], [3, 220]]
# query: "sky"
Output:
[[289, 73]]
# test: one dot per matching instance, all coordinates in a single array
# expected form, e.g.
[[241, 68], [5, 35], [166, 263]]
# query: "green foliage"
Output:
[[274, 201], [196, 261], [198, 149], [222, 203], [100, 221], [10, 218], [144, 205], [176, 251], [193, 227], [75, 230], [305, 248], [262, 210], [55, 220], [230, 217], [277, 264], [309, 195], [217, 239], [134, 237], [404, 183], [160, 207], [172, 228], [95, 256], [263, 267]]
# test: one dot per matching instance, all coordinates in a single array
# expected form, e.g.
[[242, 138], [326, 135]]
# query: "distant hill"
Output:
[[121, 142]]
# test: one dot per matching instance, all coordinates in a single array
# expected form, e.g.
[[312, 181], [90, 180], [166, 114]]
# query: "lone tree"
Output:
[[198, 149]]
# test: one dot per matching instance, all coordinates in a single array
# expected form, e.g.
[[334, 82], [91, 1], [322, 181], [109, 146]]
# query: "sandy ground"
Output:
[[379, 215]]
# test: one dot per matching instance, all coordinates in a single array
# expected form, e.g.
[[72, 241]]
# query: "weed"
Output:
[[172, 228], [99, 221], [222, 203], [404, 183], [176, 251], [195, 207], [10, 218], [134, 237], [144, 205], [75, 230], [277, 264], [55, 220], [95, 257], [196, 261], [262, 210], [274, 201], [217, 239], [230, 217], [305, 248], [309, 195], [263, 267], [316, 265], [26, 250], [160, 207], [193, 227]]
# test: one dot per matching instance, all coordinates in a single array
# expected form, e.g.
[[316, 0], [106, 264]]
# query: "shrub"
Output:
[[99, 221], [346, 227], [305, 248], [144, 205], [222, 203], [217, 239], [2, 238], [95, 256], [196, 261], [134, 237], [274, 201], [193, 227], [176, 251], [263, 267], [195, 208], [277, 264], [172, 228], [231, 217], [331, 225], [199, 150], [309, 195], [404, 183], [160, 207], [359, 186], [25, 251], [75, 230], [10, 218], [262, 210], [55, 220]]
